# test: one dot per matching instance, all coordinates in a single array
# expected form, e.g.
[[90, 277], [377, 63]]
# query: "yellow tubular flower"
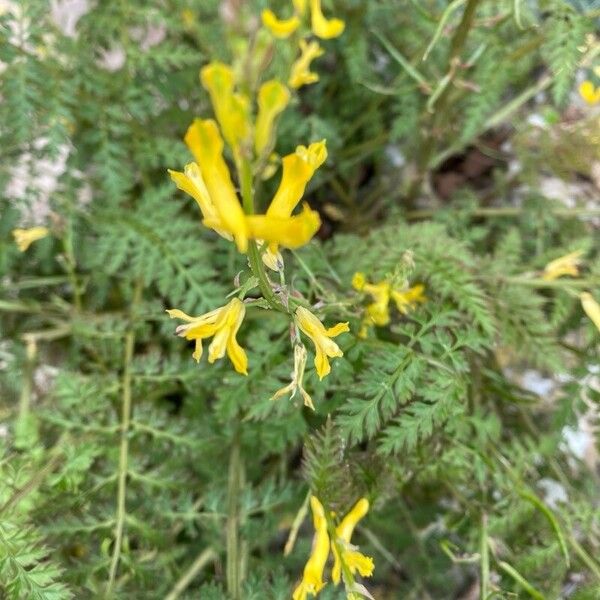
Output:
[[353, 559], [301, 74], [223, 323], [290, 232], [25, 237], [591, 308], [231, 110], [298, 169], [565, 265], [191, 182], [280, 28], [589, 92], [312, 579], [297, 376], [408, 299], [205, 142], [273, 97], [322, 27], [325, 347]]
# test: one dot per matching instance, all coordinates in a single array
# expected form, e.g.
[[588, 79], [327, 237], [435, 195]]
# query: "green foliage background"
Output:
[[426, 418]]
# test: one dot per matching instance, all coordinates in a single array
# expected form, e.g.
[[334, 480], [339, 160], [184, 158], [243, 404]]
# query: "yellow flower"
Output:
[[354, 560], [301, 74], [273, 97], [312, 579], [297, 377], [223, 323], [25, 237], [408, 299], [298, 169], [232, 110], [325, 347], [589, 92], [322, 27], [565, 265], [280, 28], [191, 182], [188, 18], [591, 308], [377, 312], [205, 143]]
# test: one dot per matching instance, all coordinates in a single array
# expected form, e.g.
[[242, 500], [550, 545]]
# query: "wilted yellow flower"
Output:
[[312, 579], [589, 92], [205, 143], [408, 299], [273, 97], [297, 376], [25, 237], [280, 28], [232, 110], [301, 74], [322, 27], [565, 265], [325, 347], [354, 560], [591, 308], [223, 323]]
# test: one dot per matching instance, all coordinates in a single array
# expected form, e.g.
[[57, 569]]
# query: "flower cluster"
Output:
[[377, 312], [568, 265], [347, 560], [246, 124]]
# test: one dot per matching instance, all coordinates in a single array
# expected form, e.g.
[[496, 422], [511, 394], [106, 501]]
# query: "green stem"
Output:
[[484, 565], [124, 444], [233, 570], [205, 557]]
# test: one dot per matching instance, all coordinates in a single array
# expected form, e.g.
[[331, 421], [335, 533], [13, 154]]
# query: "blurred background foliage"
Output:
[[458, 149]]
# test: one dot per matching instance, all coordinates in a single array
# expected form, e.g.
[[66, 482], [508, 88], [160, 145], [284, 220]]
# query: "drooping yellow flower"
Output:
[[565, 265], [354, 560], [298, 169], [377, 312], [408, 299], [591, 308], [280, 28], [273, 97], [231, 109], [296, 384], [312, 579], [325, 347], [191, 182], [589, 92], [25, 237], [322, 27], [301, 74], [205, 143], [223, 323]]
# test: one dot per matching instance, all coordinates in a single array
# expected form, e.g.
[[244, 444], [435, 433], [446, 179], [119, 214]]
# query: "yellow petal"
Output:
[[358, 281], [300, 73], [298, 169], [299, 6], [322, 27], [197, 354], [25, 237], [280, 28], [565, 265], [338, 329], [408, 299], [357, 561], [205, 142], [175, 313], [272, 258], [273, 97], [589, 92], [345, 529], [591, 308], [231, 110], [290, 232]]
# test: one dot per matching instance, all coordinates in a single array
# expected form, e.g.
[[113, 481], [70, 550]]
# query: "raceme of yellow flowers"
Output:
[[347, 559], [245, 126]]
